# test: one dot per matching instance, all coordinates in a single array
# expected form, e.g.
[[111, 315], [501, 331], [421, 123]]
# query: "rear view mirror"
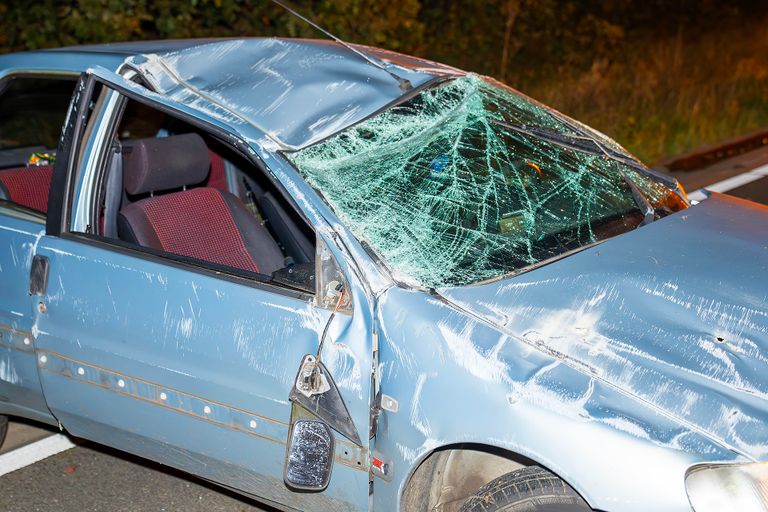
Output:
[[310, 453]]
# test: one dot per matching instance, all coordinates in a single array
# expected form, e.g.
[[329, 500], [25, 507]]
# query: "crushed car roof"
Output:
[[296, 91]]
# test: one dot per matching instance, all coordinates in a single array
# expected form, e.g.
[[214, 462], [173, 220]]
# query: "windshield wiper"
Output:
[[666, 181], [609, 152], [583, 142], [590, 145], [645, 206]]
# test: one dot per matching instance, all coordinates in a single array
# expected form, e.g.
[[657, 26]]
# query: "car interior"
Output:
[[174, 189], [27, 186], [32, 111]]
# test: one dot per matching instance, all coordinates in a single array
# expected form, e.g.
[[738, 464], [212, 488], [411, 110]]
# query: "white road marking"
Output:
[[731, 183], [34, 452]]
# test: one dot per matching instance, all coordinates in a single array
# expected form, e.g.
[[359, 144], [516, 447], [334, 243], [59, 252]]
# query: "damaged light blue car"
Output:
[[338, 280]]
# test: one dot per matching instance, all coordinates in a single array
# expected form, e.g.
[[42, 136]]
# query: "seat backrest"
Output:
[[27, 186], [203, 223]]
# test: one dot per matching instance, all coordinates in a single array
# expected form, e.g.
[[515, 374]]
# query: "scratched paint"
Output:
[[656, 323], [204, 342], [20, 235], [8, 369], [291, 79], [544, 406]]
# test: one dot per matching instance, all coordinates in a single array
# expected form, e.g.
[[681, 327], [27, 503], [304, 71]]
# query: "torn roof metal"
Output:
[[295, 91]]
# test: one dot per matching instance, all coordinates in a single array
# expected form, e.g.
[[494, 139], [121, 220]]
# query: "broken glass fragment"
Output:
[[470, 181]]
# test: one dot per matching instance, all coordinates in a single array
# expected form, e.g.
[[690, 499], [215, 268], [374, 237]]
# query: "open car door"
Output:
[[174, 361]]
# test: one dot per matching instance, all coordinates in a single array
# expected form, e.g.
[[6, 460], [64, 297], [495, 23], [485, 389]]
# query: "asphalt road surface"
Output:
[[93, 478], [88, 477], [754, 191], [744, 176]]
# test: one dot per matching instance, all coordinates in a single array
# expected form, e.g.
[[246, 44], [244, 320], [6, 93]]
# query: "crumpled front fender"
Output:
[[459, 380]]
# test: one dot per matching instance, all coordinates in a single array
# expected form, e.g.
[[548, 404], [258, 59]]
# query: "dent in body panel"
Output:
[[674, 324], [290, 78], [687, 381], [451, 373], [221, 352]]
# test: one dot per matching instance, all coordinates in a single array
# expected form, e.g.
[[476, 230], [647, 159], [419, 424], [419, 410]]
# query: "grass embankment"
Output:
[[666, 96]]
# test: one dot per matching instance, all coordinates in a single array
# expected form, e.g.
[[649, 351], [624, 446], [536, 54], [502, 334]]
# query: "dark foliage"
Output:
[[562, 51]]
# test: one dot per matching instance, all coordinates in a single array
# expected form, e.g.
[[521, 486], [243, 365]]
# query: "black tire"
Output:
[[530, 489], [3, 428]]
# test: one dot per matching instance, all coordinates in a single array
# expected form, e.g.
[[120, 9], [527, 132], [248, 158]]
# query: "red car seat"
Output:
[[27, 186], [204, 223]]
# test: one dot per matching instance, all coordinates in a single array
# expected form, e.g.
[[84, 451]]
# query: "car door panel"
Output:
[[20, 392], [185, 368], [32, 96], [180, 364]]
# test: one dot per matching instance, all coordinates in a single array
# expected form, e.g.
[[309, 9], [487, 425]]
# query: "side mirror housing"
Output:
[[317, 410], [310, 452]]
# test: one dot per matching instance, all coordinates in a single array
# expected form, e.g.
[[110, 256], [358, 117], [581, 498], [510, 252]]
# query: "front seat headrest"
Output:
[[164, 163]]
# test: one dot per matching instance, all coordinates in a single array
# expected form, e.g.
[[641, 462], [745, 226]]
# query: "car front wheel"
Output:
[[530, 489]]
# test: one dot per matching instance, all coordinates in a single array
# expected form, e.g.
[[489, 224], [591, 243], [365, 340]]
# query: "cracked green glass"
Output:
[[470, 181]]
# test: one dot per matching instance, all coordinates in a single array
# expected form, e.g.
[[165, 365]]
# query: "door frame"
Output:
[[20, 339], [67, 168], [70, 165]]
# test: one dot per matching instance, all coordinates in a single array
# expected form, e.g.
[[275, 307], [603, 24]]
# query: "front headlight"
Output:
[[725, 487]]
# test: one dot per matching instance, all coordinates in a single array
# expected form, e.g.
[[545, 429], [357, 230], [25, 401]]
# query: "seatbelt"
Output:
[[114, 190]]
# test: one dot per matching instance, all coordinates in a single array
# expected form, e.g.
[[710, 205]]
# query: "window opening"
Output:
[[183, 193], [32, 113]]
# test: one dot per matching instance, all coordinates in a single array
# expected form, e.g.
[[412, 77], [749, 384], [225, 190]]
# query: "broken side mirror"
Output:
[[316, 408], [310, 453], [316, 404]]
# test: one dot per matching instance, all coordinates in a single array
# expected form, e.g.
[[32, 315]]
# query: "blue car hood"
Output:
[[674, 313]]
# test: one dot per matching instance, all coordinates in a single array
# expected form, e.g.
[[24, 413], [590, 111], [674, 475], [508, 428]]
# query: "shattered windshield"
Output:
[[469, 181]]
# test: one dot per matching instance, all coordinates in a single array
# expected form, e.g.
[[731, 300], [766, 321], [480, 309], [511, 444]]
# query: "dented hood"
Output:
[[674, 313]]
